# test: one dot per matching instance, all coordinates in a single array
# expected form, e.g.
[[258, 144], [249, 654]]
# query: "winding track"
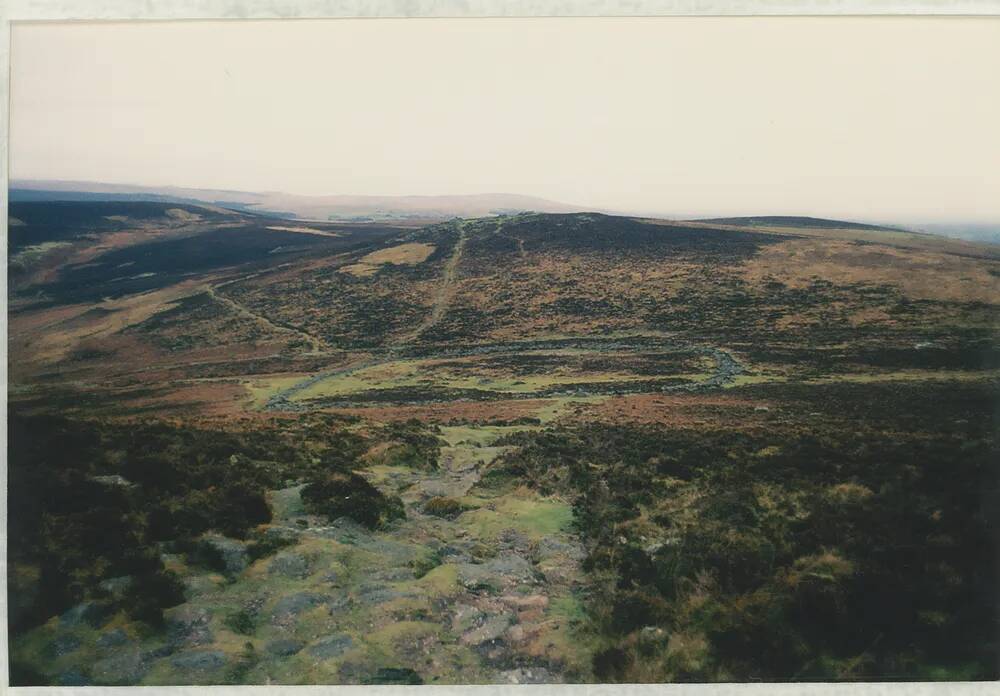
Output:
[[315, 343], [444, 293], [726, 369], [281, 401], [726, 366]]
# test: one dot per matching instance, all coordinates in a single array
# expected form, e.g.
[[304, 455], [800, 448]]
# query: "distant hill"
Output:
[[795, 221], [423, 210], [340, 208], [974, 232]]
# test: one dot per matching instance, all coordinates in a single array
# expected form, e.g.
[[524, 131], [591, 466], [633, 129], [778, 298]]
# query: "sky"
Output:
[[890, 119]]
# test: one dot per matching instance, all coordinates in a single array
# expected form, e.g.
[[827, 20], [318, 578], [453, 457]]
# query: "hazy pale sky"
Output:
[[871, 118]]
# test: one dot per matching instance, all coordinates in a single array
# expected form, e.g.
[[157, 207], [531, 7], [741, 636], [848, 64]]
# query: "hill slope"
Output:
[[519, 448]]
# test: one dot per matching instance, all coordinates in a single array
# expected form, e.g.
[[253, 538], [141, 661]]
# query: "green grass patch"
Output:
[[535, 517], [263, 388], [440, 582]]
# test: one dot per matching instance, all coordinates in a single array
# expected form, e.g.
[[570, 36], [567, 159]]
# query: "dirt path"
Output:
[[442, 297], [316, 344], [501, 606], [282, 399]]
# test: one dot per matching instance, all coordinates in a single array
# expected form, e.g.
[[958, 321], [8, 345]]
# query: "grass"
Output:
[[567, 607], [742, 380], [403, 254], [263, 388], [909, 376], [475, 435], [535, 517], [385, 474], [565, 637], [557, 406], [286, 503], [417, 373], [440, 582], [401, 633]]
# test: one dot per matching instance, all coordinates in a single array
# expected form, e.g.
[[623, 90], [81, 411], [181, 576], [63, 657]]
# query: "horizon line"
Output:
[[692, 216]]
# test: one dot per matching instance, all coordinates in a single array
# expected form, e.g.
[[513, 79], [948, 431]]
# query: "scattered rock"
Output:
[[513, 540], [549, 547], [491, 629], [72, 677], [331, 646], [228, 553], [189, 626], [505, 570], [113, 480], [394, 575], [92, 613], [116, 587], [201, 660], [286, 608], [158, 652], [372, 593], [290, 565], [652, 634], [339, 605], [515, 634], [352, 673], [525, 601], [466, 618], [253, 605], [63, 645], [120, 670], [284, 647], [528, 675], [198, 585], [455, 553], [112, 638]]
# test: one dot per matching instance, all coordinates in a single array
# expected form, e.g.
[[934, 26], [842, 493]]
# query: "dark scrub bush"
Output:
[[340, 494]]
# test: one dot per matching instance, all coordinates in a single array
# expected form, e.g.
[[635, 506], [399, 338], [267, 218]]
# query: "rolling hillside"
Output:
[[519, 448]]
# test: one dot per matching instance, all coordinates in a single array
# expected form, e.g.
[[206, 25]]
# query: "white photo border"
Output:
[[18, 11]]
